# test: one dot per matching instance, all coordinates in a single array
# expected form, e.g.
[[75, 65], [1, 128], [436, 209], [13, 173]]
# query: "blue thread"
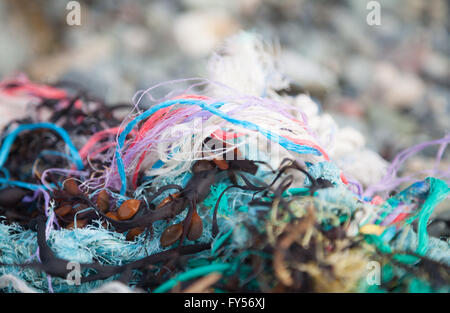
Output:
[[289, 145], [158, 164], [20, 184], [5, 172], [9, 140]]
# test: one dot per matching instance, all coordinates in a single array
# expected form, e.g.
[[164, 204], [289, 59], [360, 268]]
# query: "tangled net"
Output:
[[198, 192]]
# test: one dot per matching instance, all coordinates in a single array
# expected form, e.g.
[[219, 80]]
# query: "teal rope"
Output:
[[196, 272], [438, 191]]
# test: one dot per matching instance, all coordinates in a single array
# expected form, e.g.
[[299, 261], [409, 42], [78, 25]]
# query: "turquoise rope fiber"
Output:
[[438, 192], [196, 272], [21, 184], [289, 145], [9, 140]]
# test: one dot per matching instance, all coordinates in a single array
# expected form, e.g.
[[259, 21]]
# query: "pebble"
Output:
[[208, 27]]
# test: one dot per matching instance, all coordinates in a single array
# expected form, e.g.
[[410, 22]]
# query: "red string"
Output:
[[96, 137], [34, 89]]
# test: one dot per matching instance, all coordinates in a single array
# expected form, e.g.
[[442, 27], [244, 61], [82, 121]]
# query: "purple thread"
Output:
[[388, 182]]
